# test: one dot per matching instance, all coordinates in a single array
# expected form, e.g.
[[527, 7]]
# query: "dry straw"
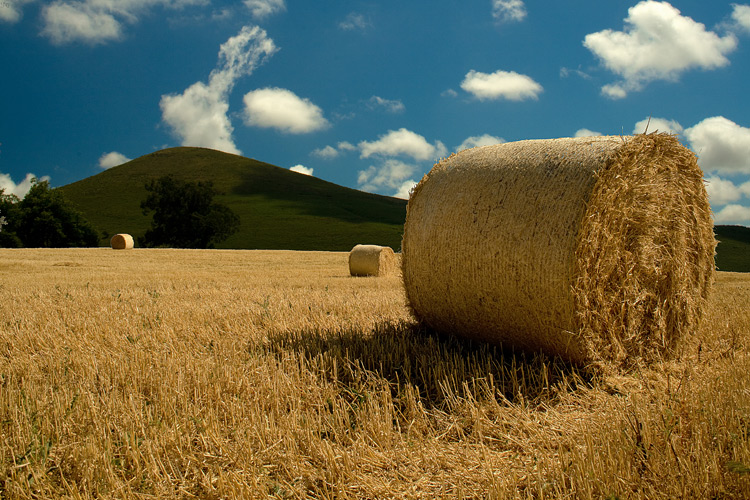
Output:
[[121, 241], [596, 249], [373, 260]]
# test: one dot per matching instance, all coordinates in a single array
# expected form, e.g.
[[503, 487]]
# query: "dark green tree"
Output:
[[44, 218], [185, 215], [8, 211]]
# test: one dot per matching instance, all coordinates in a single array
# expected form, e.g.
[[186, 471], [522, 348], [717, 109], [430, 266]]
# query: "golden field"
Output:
[[272, 374]]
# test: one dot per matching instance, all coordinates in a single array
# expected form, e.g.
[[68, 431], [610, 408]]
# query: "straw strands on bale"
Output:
[[121, 241], [596, 249], [373, 260]]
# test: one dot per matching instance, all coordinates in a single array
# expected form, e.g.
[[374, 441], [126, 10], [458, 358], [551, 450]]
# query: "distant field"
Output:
[[274, 374]]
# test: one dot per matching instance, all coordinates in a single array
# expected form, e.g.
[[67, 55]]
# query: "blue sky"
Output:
[[367, 94]]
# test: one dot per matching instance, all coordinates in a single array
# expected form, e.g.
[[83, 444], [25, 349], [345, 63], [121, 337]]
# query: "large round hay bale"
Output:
[[373, 260], [121, 242], [596, 249]]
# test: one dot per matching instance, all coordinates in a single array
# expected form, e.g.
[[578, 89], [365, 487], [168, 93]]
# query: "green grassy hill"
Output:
[[278, 208], [733, 250]]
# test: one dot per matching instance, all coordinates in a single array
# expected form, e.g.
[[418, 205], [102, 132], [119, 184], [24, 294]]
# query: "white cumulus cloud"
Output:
[[282, 109], [658, 43], [733, 214], [721, 145], [391, 174], [584, 132], [479, 140], [112, 159], [301, 169], [97, 21], [392, 106], [402, 142], [11, 10], [404, 191], [260, 9], [508, 10], [9, 187], [741, 16], [354, 21], [66, 22], [198, 116], [326, 153], [500, 85], [648, 125], [722, 191]]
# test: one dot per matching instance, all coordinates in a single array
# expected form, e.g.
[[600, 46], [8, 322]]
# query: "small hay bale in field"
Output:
[[121, 241], [596, 249], [373, 260]]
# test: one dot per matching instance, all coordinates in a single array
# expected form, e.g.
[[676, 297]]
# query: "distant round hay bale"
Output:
[[373, 260], [596, 249], [121, 241]]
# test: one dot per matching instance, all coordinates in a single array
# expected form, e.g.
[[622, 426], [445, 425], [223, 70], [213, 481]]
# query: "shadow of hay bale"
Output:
[[440, 367]]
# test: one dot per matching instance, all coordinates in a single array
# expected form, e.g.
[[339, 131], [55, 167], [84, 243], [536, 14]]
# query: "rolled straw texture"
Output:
[[121, 242], [598, 249], [373, 260]]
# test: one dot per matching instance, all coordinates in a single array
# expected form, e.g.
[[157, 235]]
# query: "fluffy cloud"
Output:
[[508, 10], [330, 152], [657, 124], [65, 22], [741, 16], [733, 214], [198, 116], [283, 110], [721, 145], [354, 21], [109, 160], [392, 174], [404, 191], [500, 85], [584, 132], [721, 191], [261, 9], [9, 187], [658, 43], [301, 169], [326, 153], [479, 140], [392, 106], [402, 142], [10, 10], [96, 21]]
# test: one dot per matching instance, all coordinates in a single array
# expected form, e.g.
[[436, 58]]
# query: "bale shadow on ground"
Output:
[[438, 366]]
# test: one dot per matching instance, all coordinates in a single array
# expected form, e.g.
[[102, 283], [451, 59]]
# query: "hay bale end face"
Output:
[[597, 249], [373, 260], [122, 242]]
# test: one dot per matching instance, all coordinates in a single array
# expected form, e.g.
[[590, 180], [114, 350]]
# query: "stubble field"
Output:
[[273, 374]]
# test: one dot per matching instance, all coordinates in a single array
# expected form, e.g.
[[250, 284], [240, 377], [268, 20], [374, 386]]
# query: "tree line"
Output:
[[184, 215]]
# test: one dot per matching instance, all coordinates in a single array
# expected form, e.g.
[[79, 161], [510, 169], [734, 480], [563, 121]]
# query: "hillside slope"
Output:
[[278, 208], [733, 250]]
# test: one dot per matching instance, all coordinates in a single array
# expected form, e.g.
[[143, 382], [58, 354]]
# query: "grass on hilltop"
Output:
[[733, 250], [278, 208]]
